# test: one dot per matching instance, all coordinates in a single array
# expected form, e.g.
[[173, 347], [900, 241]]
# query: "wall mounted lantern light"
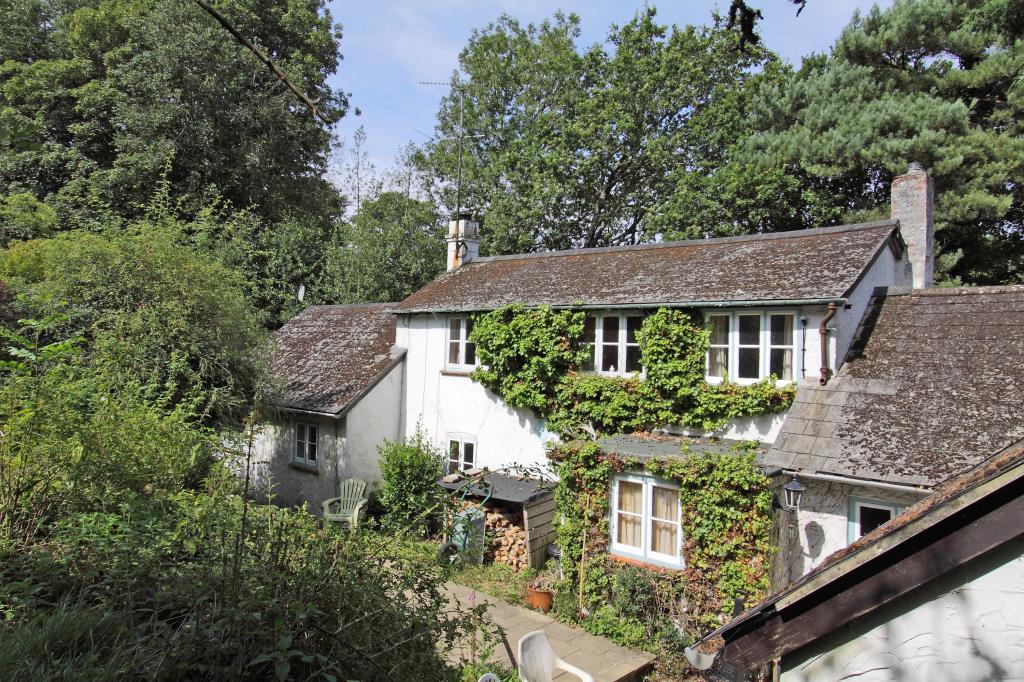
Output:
[[794, 491]]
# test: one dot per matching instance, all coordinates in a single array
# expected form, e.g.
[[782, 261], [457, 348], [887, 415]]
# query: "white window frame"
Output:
[[463, 340], [300, 455], [645, 553], [764, 341], [621, 343], [462, 439], [858, 503]]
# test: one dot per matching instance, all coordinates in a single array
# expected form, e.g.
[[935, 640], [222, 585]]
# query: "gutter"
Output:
[[832, 301], [920, 490]]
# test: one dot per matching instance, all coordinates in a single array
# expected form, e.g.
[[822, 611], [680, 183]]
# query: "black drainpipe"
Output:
[[826, 373]]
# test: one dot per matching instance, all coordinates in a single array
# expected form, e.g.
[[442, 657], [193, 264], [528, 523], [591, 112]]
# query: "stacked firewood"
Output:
[[508, 538]]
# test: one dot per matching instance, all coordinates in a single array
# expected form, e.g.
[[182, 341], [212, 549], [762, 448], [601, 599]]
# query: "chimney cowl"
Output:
[[915, 167]]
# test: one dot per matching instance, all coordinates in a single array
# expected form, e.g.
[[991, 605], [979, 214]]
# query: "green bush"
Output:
[[408, 491], [203, 586]]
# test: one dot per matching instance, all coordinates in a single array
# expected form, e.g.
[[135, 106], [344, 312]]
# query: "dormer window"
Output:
[[461, 351], [748, 346], [612, 342]]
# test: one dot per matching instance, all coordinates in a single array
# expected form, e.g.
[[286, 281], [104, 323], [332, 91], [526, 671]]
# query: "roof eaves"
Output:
[[726, 303]]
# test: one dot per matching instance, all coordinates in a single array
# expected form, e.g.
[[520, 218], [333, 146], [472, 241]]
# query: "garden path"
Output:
[[602, 658]]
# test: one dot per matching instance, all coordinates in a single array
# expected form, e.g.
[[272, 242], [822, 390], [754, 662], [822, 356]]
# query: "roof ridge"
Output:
[[347, 306], [761, 236]]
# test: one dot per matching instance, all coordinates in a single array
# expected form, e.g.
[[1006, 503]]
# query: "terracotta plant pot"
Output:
[[539, 598]]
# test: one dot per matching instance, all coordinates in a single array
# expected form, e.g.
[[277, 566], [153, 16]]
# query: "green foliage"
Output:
[[530, 358], [408, 491], [585, 146], [203, 586], [22, 216], [933, 81], [111, 85], [157, 314], [392, 246], [74, 437], [726, 522], [525, 353], [606, 404]]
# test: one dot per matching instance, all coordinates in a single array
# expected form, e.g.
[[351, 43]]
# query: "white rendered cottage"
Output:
[[795, 304]]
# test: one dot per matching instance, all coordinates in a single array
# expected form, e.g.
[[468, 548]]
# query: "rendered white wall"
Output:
[[885, 272], [967, 630], [377, 416], [444, 404], [275, 477], [821, 525]]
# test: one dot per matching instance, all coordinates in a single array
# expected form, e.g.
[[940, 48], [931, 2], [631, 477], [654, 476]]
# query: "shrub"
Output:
[[408, 492], [203, 586]]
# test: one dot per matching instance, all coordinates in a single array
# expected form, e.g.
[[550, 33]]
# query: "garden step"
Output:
[[599, 656]]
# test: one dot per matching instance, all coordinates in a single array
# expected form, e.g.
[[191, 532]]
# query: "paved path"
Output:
[[602, 658]]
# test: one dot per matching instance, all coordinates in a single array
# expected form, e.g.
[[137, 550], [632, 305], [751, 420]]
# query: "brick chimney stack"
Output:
[[912, 205], [463, 241]]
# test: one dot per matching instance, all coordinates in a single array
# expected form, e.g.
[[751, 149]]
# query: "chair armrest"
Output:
[[326, 504], [570, 668], [355, 513]]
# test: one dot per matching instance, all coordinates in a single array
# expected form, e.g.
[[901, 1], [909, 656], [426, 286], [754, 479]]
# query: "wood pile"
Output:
[[508, 538]]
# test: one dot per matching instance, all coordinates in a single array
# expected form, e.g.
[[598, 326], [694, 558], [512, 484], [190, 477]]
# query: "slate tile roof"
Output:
[[934, 379], [805, 265], [328, 356]]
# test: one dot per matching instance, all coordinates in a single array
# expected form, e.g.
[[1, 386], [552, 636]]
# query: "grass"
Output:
[[495, 579]]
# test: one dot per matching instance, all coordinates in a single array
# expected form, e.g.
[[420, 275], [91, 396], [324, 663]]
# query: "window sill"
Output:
[[453, 372], [640, 563], [302, 466]]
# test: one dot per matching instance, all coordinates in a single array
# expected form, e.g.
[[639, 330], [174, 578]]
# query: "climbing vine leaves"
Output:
[[532, 359]]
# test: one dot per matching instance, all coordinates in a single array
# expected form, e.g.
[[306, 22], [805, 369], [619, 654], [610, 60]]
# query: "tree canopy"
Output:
[[566, 147], [931, 81]]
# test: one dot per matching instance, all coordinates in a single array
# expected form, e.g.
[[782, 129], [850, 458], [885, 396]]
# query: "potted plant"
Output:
[[539, 594]]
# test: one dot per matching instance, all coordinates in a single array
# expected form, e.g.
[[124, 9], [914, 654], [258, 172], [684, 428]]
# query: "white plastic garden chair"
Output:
[[538, 661]]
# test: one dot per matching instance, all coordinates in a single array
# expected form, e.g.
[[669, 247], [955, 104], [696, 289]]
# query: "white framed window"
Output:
[[611, 340], [748, 346], [646, 520], [867, 515], [461, 453], [460, 352], [306, 444]]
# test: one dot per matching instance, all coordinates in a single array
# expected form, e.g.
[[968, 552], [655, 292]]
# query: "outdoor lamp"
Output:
[[794, 493]]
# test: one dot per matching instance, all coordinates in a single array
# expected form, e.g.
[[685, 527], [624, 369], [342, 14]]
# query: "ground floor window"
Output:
[[645, 520], [461, 453], [305, 444], [867, 515]]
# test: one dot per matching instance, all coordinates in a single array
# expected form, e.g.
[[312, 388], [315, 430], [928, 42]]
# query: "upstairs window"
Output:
[[461, 454], [461, 351], [305, 444], [750, 346], [611, 341], [867, 515], [646, 520]]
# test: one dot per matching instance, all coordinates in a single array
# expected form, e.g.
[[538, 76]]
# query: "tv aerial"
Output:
[[461, 137]]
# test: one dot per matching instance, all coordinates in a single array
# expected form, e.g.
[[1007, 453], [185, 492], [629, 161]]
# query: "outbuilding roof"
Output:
[[807, 265], [934, 379], [328, 356], [966, 516]]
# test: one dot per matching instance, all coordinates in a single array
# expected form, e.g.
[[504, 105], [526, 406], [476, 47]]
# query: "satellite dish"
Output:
[[302, 292]]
